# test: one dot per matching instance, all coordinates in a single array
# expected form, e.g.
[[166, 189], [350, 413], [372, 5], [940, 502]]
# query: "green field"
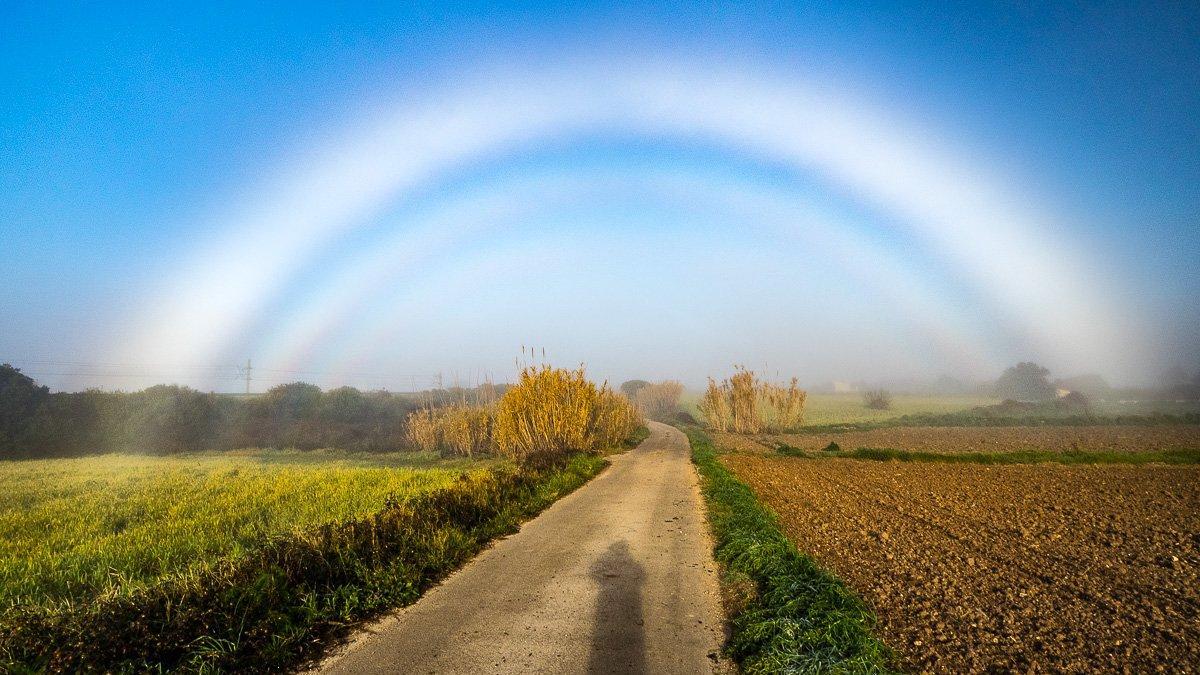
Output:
[[73, 529], [822, 409], [241, 561], [848, 408]]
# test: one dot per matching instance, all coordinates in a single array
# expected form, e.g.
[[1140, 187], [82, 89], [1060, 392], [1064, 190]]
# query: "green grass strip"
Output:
[[1173, 456], [802, 619]]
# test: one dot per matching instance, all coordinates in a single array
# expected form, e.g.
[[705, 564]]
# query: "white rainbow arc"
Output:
[[1005, 248], [392, 264]]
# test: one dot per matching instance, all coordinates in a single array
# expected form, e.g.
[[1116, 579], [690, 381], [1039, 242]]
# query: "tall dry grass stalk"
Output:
[[658, 401], [745, 405], [554, 410], [458, 429]]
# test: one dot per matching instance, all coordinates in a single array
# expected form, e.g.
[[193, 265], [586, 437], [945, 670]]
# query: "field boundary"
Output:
[[1171, 456], [791, 615], [971, 418], [281, 605]]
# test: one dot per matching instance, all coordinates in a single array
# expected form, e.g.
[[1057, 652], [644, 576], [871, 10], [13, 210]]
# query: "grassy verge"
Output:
[[278, 604], [1176, 456], [797, 617]]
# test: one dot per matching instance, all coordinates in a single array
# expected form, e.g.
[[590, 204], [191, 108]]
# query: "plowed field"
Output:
[[999, 568]]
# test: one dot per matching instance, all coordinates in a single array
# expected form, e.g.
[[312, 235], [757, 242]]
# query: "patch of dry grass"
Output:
[[744, 404]]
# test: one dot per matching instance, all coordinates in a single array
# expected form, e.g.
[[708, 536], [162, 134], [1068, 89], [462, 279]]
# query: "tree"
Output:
[[298, 400], [1026, 381], [630, 388]]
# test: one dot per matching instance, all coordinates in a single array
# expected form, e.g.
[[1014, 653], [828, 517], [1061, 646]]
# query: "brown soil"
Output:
[[1005, 568], [1002, 439]]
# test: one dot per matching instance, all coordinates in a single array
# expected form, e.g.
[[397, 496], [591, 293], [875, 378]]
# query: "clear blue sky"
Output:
[[830, 192]]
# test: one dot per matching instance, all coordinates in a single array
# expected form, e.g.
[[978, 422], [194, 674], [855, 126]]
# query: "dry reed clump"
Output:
[[745, 405], [614, 419], [877, 399], [458, 429], [551, 411], [658, 401]]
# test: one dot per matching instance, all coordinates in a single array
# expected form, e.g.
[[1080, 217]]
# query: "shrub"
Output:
[[743, 404], [877, 399]]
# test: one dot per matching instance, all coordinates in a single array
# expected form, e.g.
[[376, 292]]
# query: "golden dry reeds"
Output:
[[458, 429], [745, 405], [554, 410], [614, 419], [423, 430], [714, 407], [658, 401]]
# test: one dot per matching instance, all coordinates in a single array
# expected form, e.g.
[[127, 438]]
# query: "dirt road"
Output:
[[615, 578]]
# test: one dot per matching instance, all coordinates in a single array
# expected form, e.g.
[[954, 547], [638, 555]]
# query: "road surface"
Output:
[[617, 577]]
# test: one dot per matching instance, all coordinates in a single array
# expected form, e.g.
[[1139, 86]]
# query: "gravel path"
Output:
[[617, 577]]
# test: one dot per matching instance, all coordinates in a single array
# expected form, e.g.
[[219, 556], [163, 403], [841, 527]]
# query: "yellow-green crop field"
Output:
[[75, 529], [849, 408]]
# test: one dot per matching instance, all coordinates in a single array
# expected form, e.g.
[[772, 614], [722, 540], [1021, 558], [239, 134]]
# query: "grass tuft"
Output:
[[800, 618]]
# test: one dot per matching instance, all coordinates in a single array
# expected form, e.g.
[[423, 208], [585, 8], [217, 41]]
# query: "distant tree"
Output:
[[168, 418], [298, 400], [344, 405], [20, 398], [630, 388], [1026, 381]]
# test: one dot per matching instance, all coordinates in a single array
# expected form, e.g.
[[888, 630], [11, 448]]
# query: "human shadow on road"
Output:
[[619, 639]]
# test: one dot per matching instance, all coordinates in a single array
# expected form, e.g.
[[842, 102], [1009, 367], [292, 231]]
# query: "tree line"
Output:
[[163, 419]]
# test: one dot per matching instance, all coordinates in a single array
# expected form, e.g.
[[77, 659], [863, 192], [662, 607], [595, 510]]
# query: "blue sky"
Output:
[[147, 151]]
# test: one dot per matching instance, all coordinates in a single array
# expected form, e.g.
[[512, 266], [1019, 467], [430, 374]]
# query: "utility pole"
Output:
[[246, 374]]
